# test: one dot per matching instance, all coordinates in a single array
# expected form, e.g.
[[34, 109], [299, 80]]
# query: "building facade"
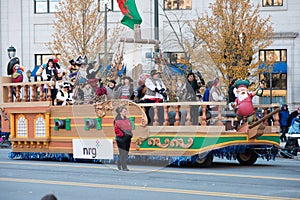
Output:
[[27, 25]]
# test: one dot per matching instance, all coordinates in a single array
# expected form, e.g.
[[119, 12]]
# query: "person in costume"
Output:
[[50, 73], [155, 93], [73, 70], [126, 89], [17, 76], [15, 70], [123, 131], [243, 103], [64, 96], [110, 89]]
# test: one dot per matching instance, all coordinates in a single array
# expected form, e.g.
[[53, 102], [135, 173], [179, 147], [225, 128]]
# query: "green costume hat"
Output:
[[241, 82]]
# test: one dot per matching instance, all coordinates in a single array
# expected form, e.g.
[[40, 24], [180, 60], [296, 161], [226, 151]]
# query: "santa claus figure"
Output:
[[243, 103]]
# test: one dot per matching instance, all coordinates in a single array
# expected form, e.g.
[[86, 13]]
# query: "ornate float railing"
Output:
[[27, 91], [219, 116]]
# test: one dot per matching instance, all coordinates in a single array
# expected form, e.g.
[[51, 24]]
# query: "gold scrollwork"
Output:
[[102, 107], [175, 142], [138, 142]]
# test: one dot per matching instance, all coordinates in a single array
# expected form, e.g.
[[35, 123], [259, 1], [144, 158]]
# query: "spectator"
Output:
[[283, 116], [292, 116], [295, 125]]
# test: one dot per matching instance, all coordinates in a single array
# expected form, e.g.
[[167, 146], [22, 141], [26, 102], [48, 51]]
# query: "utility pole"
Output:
[[156, 25], [105, 31]]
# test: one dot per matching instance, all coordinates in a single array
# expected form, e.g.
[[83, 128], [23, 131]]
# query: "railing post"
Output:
[[49, 93], [166, 110], [203, 122], [25, 98], [33, 93], [219, 122], [42, 94], [265, 113], [177, 117], [155, 118], [188, 116], [18, 94], [276, 117], [255, 118], [10, 96]]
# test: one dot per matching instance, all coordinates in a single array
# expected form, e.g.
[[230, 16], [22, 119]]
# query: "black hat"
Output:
[[10, 66], [72, 62], [191, 73], [66, 85], [113, 81], [81, 60]]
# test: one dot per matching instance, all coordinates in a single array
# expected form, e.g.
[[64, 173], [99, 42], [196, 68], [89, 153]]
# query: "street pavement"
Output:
[[24, 179]]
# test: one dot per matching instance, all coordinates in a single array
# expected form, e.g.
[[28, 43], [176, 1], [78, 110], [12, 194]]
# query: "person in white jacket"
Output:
[[155, 93], [64, 96]]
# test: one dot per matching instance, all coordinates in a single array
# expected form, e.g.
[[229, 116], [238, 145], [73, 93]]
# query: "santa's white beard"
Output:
[[242, 96]]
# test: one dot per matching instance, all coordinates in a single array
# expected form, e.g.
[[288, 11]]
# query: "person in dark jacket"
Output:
[[123, 131], [283, 117], [292, 116], [192, 87]]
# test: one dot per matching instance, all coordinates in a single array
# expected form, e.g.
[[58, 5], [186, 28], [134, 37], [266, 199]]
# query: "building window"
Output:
[[267, 3], [274, 76], [277, 55], [40, 59], [21, 127], [112, 5], [45, 6], [177, 4], [174, 57], [40, 127]]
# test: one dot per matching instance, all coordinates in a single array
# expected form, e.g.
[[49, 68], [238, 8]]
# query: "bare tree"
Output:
[[79, 30], [182, 37]]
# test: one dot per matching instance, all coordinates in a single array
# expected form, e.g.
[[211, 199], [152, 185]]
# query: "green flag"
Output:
[[130, 12]]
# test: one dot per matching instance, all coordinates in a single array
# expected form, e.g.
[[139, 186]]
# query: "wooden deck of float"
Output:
[[60, 141]]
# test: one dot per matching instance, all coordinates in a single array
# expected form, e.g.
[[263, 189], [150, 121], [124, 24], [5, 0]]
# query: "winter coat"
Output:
[[283, 117]]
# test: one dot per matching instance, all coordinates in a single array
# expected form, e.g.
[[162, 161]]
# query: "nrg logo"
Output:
[[91, 151]]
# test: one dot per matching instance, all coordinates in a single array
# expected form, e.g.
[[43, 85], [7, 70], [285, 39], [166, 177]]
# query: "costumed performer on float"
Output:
[[243, 104]]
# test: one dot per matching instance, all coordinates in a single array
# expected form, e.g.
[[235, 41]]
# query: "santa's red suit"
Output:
[[245, 107]]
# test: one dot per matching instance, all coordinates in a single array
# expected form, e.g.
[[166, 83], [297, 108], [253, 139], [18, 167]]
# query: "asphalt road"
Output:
[[23, 179]]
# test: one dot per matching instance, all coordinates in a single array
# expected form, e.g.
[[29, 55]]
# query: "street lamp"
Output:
[[28, 74], [11, 51], [270, 83]]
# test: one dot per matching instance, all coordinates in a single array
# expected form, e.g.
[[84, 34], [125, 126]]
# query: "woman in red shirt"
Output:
[[123, 131]]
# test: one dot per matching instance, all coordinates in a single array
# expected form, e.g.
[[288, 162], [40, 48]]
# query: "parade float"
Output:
[[85, 131], [40, 131]]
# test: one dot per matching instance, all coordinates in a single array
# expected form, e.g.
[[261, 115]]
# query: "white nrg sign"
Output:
[[93, 148]]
